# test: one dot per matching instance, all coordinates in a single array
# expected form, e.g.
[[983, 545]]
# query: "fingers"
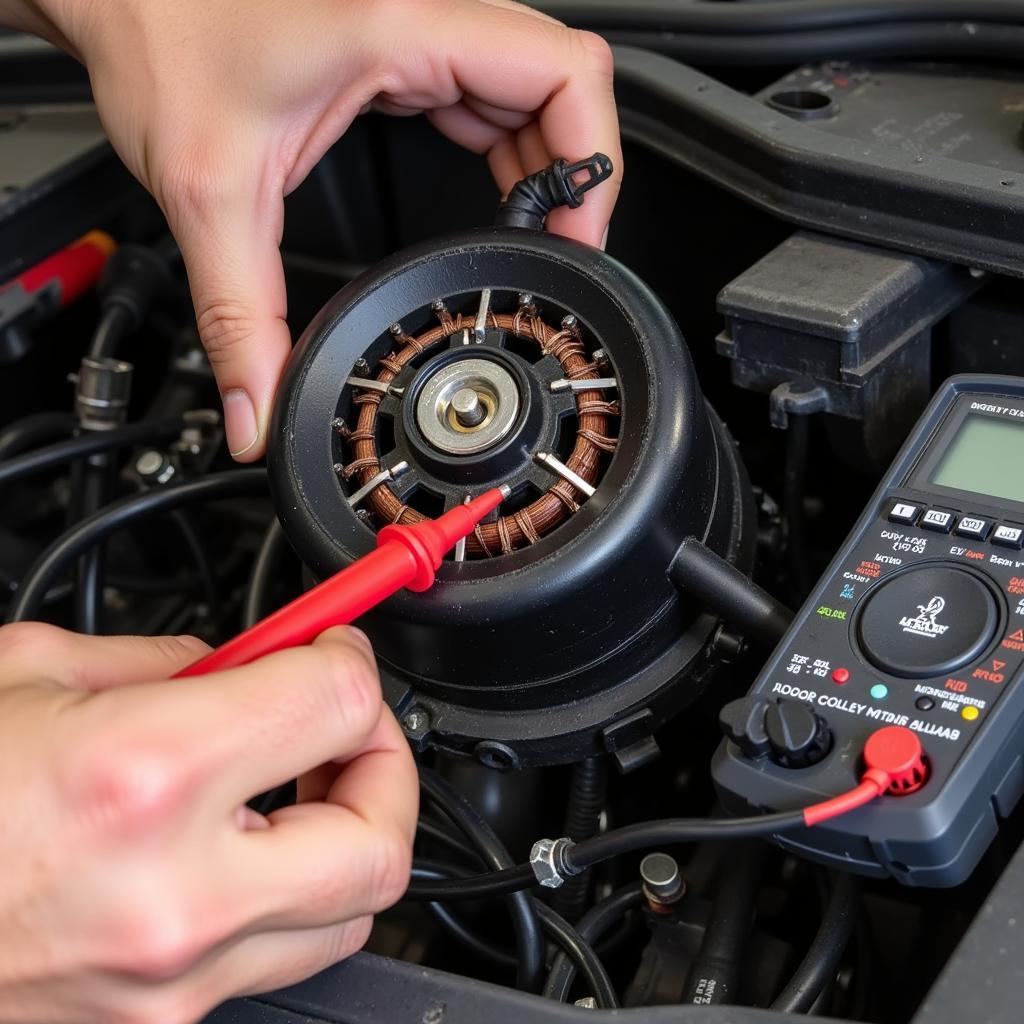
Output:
[[263, 963], [233, 734], [228, 223], [348, 856], [256, 963], [580, 119], [35, 650], [509, 63], [514, 5], [249, 965], [533, 153], [470, 130]]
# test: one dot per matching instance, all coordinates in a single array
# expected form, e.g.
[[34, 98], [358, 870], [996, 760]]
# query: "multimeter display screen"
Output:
[[986, 457]]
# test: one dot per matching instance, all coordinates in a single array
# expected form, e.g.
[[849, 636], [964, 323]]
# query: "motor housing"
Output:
[[549, 647]]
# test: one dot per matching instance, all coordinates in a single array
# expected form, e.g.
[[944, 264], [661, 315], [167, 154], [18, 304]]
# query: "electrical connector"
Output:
[[895, 764]]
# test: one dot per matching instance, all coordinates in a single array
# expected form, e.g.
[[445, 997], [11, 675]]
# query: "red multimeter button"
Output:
[[840, 675]]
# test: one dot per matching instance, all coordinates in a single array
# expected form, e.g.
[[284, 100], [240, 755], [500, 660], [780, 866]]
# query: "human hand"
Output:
[[137, 885], [222, 108]]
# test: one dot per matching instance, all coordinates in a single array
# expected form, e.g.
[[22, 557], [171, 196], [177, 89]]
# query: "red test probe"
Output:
[[406, 556]]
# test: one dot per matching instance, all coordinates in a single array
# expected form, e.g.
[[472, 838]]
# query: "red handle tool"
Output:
[[406, 556], [69, 273]]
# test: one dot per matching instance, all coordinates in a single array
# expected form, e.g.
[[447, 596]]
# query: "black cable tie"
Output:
[[598, 168], [532, 199]]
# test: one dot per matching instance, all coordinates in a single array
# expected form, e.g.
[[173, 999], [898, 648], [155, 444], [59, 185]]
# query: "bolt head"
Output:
[[416, 721], [546, 859]]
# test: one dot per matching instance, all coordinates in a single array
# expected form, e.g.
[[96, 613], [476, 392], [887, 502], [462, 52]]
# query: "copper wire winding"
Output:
[[529, 524]]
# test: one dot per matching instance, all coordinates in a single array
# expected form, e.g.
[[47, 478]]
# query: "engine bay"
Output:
[[717, 714]]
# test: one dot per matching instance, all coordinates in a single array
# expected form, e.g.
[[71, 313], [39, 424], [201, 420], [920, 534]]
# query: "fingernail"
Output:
[[604, 237], [192, 644], [348, 635], [358, 634], [248, 820], [240, 424]]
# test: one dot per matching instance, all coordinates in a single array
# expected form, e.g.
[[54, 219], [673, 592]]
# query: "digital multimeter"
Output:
[[918, 622]]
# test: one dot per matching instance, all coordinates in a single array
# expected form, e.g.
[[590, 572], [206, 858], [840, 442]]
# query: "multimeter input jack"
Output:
[[897, 752]]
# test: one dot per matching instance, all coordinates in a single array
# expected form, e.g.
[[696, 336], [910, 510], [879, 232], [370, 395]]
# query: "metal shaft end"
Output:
[[468, 408], [662, 882]]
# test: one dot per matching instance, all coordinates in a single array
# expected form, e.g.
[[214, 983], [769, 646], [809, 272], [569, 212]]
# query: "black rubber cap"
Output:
[[743, 722], [928, 621], [798, 736]]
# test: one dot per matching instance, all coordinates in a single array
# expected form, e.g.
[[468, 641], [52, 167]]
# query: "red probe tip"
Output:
[[431, 540]]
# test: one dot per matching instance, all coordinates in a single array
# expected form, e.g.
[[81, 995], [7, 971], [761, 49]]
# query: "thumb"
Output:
[[229, 234]]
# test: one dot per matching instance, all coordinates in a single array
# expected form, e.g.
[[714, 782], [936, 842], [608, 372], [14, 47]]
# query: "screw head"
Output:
[[416, 721]]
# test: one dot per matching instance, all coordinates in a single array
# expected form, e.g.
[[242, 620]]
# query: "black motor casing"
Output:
[[578, 643]]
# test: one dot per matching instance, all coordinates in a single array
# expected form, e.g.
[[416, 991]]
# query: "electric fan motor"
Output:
[[509, 356]]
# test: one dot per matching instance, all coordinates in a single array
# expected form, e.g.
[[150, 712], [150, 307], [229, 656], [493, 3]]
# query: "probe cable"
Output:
[[894, 764]]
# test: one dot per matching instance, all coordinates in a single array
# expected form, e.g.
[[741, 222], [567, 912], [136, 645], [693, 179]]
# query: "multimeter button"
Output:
[[927, 621], [937, 519], [901, 512], [798, 736], [1009, 536], [974, 527]]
